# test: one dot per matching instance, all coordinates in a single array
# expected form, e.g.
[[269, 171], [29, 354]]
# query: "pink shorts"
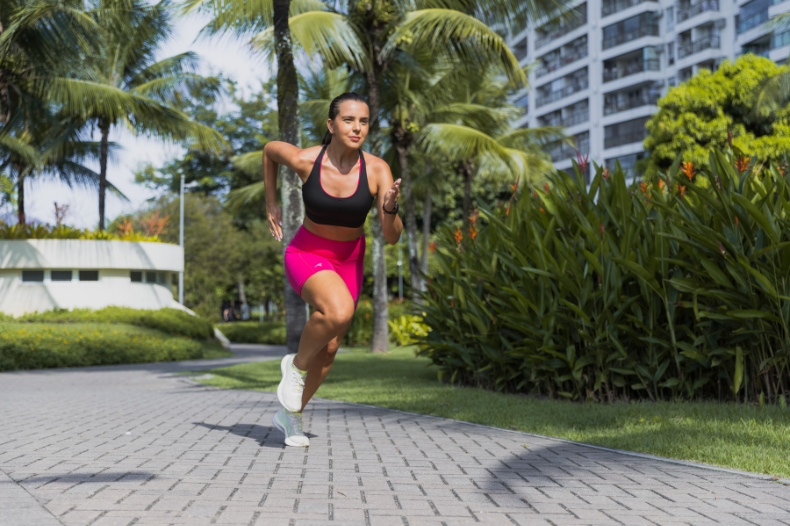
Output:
[[309, 253]]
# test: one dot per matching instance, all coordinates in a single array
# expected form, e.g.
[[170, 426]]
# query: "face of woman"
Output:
[[350, 127]]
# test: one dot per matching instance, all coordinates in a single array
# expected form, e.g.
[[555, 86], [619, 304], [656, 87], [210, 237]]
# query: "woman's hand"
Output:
[[275, 215], [391, 197]]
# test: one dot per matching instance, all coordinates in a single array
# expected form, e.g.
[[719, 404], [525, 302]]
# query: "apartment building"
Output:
[[600, 69]]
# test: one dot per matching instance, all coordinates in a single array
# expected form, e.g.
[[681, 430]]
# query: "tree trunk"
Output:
[[288, 120], [426, 231], [411, 221], [104, 126], [20, 194], [380, 340], [466, 170], [240, 290]]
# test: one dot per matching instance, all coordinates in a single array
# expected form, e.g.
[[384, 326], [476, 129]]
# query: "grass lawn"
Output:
[[742, 437]]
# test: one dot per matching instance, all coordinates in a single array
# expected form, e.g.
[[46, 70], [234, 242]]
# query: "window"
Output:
[[61, 275], [162, 278], [89, 275], [520, 49], [671, 53], [150, 277], [33, 275], [672, 81], [136, 276], [670, 19]]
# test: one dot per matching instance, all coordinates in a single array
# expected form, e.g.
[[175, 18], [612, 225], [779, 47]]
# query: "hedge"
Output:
[[676, 288], [30, 231], [170, 321], [38, 346]]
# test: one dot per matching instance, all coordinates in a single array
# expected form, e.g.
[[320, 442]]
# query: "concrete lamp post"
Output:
[[181, 235]]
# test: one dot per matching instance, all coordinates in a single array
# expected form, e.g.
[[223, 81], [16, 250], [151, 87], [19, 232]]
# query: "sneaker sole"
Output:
[[288, 441]]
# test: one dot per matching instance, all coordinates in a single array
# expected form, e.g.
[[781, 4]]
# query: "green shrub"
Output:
[[41, 346], [170, 321], [271, 333], [679, 288], [361, 330], [24, 231]]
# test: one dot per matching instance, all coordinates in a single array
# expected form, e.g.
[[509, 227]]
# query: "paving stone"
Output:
[[115, 446]]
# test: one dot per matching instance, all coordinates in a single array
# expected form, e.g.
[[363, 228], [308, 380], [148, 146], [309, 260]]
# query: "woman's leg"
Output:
[[319, 368], [333, 308]]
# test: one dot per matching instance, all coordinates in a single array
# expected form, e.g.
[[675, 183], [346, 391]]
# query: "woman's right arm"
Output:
[[274, 153]]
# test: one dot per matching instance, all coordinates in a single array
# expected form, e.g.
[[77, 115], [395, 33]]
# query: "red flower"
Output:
[[458, 235], [546, 188], [606, 173], [660, 184], [737, 223], [432, 246], [643, 186], [472, 232], [473, 217], [542, 211], [582, 161], [688, 169], [742, 163]]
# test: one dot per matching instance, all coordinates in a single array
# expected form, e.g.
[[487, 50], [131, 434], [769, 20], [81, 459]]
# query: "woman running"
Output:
[[324, 262]]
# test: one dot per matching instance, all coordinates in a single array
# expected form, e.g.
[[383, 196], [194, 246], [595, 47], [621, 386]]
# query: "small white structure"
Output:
[[38, 275]]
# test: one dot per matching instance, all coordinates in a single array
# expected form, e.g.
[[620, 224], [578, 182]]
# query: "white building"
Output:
[[600, 71], [38, 275]]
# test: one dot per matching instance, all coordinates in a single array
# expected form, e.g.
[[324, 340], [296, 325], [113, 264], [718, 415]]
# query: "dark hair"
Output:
[[334, 109]]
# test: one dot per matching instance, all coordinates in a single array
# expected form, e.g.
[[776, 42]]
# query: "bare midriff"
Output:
[[335, 233]]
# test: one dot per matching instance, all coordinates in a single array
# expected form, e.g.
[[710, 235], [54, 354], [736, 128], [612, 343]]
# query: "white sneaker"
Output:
[[291, 425], [291, 387]]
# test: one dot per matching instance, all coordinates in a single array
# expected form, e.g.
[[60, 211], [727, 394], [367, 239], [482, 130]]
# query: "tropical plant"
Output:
[[666, 290], [713, 109], [130, 87]]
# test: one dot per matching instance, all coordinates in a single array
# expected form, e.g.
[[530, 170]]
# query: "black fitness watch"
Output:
[[394, 211]]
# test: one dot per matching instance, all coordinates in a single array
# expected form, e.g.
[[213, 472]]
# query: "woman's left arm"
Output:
[[386, 197]]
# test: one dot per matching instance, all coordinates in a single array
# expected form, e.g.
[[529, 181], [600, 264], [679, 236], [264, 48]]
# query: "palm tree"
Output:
[[394, 31], [52, 146], [474, 133], [133, 89]]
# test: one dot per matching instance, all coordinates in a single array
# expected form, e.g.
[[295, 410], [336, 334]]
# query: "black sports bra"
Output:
[[326, 209]]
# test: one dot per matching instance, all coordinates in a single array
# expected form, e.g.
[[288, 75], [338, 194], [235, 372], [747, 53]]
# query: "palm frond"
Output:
[[146, 115], [238, 199], [457, 35], [459, 142], [250, 163], [323, 33]]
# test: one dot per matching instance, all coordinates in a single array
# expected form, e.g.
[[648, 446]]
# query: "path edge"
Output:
[[636, 454]]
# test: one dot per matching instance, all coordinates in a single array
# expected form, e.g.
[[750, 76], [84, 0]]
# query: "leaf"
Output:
[[738, 374]]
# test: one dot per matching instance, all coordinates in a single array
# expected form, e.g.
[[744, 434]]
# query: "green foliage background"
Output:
[[697, 116], [663, 291]]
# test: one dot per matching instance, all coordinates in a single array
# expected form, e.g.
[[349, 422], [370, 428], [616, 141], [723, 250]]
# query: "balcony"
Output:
[[691, 48], [618, 71], [615, 103], [547, 97], [562, 151], [753, 21], [577, 117], [611, 7], [627, 36], [701, 7], [561, 26], [627, 132], [567, 54]]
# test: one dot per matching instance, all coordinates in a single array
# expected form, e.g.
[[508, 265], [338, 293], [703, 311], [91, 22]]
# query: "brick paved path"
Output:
[[125, 446]]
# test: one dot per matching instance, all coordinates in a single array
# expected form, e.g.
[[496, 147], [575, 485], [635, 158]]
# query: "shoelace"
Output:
[[296, 421], [298, 380]]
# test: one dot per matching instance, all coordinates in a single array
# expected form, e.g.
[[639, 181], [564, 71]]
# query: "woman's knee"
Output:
[[339, 314]]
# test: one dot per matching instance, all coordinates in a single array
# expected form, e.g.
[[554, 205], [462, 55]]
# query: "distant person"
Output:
[[324, 261], [225, 311]]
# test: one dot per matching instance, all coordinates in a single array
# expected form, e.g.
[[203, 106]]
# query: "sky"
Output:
[[227, 55]]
